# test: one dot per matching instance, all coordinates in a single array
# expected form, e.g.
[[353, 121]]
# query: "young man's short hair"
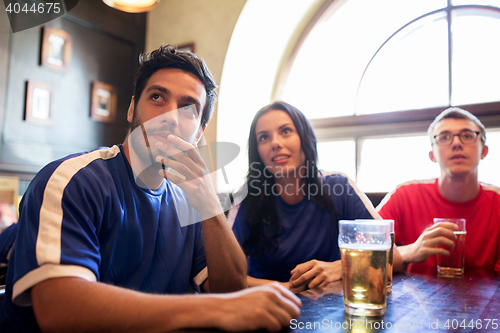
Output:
[[167, 56], [458, 113]]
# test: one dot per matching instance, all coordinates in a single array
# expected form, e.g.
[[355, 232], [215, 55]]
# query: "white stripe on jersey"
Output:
[[489, 187], [368, 204], [21, 292], [48, 243], [388, 196]]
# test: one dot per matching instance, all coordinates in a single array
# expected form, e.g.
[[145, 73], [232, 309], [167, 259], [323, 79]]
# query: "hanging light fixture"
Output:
[[132, 6]]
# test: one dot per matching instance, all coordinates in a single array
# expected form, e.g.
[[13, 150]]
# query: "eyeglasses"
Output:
[[467, 137]]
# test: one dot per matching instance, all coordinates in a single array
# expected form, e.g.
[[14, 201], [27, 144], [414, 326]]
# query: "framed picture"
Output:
[[103, 102], [56, 49], [186, 47], [40, 103], [9, 189]]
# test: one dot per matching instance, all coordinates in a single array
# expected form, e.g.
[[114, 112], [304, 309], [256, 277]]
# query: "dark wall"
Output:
[[106, 47]]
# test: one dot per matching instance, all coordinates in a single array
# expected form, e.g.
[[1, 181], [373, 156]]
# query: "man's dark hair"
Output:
[[167, 56], [262, 219]]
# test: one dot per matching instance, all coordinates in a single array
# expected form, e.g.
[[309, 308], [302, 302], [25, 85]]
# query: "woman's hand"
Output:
[[314, 273], [294, 290], [252, 282]]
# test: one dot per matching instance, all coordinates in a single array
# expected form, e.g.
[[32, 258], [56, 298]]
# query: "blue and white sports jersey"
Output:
[[306, 230], [84, 216]]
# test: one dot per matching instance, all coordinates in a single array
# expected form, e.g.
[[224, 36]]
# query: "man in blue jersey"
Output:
[[103, 236]]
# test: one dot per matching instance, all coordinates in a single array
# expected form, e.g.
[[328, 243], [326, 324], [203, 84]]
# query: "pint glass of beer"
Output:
[[364, 248], [390, 262], [454, 264]]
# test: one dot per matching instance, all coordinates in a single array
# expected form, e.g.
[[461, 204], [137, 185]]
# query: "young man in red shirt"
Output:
[[458, 145]]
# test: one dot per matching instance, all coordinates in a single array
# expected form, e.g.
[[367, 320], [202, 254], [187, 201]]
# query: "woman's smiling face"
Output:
[[279, 144]]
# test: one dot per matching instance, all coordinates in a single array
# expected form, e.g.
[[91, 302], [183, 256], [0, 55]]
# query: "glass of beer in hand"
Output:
[[454, 264], [364, 248]]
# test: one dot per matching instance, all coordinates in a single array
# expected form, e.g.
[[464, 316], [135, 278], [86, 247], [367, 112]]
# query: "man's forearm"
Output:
[[227, 266], [76, 305]]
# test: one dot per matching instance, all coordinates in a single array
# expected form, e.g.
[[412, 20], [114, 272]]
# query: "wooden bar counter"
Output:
[[418, 303]]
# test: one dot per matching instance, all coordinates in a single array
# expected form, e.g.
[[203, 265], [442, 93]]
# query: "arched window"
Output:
[[372, 75]]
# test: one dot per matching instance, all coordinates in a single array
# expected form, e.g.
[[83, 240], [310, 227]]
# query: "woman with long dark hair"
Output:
[[288, 222]]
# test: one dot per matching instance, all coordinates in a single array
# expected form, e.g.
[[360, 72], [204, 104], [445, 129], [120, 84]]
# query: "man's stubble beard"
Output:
[[141, 145]]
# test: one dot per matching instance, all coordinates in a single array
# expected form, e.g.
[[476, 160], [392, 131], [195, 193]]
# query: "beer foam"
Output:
[[366, 247]]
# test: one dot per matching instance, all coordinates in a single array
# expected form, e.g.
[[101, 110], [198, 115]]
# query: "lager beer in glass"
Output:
[[390, 262], [454, 264], [364, 249]]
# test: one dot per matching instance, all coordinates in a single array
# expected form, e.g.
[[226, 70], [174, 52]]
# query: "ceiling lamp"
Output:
[[132, 6]]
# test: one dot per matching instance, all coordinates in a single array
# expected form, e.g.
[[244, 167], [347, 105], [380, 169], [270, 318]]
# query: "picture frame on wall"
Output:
[[56, 49], [186, 47], [9, 189], [103, 102], [40, 103]]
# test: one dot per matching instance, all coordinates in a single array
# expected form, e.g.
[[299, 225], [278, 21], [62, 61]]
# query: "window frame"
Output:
[[356, 127]]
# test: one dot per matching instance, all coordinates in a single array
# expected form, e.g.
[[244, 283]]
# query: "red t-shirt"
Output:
[[414, 205]]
